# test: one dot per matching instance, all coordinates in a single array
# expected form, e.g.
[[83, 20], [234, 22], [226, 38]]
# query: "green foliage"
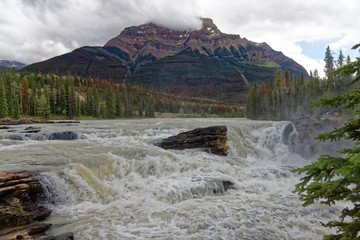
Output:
[[289, 97], [3, 100], [332, 179], [39, 95], [329, 64], [286, 98]]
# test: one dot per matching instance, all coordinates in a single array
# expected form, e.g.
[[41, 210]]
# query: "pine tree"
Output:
[[43, 107], [333, 179], [3, 100], [348, 60], [16, 110], [340, 60], [329, 67]]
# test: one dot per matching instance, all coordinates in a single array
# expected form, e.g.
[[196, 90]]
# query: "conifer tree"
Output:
[[43, 106], [329, 67], [16, 109], [340, 60], [332, 179], [25, 97], [348, 60], [3, 100]]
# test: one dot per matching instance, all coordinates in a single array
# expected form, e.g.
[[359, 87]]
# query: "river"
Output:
[[115, 183]]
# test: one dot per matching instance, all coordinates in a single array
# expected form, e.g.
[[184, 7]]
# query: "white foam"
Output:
[[118, 184]]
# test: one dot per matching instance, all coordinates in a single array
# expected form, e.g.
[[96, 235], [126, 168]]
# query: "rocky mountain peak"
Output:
[[203, 63], [209, 28], [160, 42]]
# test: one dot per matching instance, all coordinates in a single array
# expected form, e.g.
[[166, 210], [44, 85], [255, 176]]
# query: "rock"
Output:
[[32, 129], [12, 121], [23, 136], [17, 137], [20, 210], [213, 138], [67, 122], [33, 231], [19, 200], [65, 236], [69, 135]]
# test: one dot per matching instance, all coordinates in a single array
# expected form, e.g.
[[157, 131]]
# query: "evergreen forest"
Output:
[[289, 97], [53, 96]]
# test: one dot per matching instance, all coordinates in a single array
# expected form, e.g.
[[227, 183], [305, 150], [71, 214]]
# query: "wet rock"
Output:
[[20, 210], [69, 135], [33, 231], [32, 129], [213, 138], [19, 200], [4, 127], [305, 143], [37, 137], [17, 137], [65, 236], [287, 134], [12, 121], [68, 122]]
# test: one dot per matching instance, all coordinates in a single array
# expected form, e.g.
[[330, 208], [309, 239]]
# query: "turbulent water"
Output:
[[115, 183]]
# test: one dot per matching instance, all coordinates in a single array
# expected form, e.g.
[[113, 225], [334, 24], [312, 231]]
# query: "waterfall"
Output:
[[117, 184]]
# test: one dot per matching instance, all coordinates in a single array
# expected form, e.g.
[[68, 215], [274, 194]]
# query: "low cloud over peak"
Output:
[[34, 30]]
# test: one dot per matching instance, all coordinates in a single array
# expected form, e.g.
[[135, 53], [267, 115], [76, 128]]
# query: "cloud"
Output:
[[34, 30]]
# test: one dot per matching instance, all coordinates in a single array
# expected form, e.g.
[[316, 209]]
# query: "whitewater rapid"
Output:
[[115, 183]]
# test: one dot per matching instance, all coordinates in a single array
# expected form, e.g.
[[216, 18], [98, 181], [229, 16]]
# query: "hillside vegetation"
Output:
[[51, 95]]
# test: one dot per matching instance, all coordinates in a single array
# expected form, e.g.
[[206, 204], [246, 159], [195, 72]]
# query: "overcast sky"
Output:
[[35, 30]]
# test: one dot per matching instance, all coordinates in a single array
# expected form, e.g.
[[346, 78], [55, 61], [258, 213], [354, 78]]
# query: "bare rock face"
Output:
[[18, 203], [162, 42], [19, 208], [213, 138]]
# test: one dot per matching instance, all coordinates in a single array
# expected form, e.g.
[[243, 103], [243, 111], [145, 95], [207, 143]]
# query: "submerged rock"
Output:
[[17, 137], [213, 138]]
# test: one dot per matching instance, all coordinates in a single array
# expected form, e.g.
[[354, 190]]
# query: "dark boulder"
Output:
[[68, 135], [213, 138]]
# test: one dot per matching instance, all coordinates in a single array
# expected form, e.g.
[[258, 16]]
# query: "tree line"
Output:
[[46, 95], [288, 97]]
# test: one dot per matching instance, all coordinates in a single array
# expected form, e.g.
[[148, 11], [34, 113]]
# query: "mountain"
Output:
[[6, 65], [202, 63]]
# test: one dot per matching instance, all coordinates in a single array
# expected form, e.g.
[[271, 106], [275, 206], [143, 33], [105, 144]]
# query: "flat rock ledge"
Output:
[[20, 211], [21, 121], [213, 138]]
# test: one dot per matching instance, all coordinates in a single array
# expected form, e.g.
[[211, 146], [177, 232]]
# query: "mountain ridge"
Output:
[[7, 65], [203, 63]]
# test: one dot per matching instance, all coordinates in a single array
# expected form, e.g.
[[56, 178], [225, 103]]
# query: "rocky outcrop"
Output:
[[19, 193], [213, 138], [308, 129], [19, 207]]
